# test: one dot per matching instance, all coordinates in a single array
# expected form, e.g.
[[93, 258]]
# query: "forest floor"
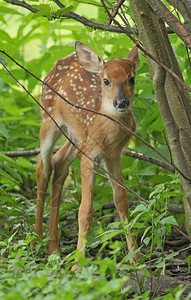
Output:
[[176, 275], [177, 271]]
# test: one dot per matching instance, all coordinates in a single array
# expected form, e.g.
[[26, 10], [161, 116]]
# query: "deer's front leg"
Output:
[[121, 200], [86, 209]]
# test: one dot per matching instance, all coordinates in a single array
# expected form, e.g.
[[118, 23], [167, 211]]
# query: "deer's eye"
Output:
[[106, 82], [132, 80]]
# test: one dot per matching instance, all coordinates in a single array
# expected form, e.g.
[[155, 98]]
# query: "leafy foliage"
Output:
[[37, 42]]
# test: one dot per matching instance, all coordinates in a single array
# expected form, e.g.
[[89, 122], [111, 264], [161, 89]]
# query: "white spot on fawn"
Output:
[[48, 97]]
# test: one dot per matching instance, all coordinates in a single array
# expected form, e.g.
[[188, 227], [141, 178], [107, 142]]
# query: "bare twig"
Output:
[[152, 138], [59, 3], [74, 16], [115, 11], [162, 11], [112, 177], [188, 57], [176, 243], [84, 108], [149, 159], [183, 84], [129, 153], [171, 207], [78, 18], [91, 110], [23, 153], [107, 205], [179, 251]]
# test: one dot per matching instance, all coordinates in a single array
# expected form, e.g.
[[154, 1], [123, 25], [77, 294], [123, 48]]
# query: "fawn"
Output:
[[86, 80]]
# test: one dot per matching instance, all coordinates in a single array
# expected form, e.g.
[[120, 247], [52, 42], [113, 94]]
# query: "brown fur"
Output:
[[80, 79]]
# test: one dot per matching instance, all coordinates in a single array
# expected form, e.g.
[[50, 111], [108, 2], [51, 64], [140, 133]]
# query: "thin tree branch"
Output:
[[25, 153], [90, 110], [59, 3], [187, 51], [152, 138], [162, 11], [78, 18], [149, 159], [129, 153], [115, 11], [171, 207], [74, 16], [183, 84], [22, 4], [112, 177], [107, 205], [84, 108]]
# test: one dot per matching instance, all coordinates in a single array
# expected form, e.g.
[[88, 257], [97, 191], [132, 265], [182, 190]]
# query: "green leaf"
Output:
[[2, 19], [6, 175], [137, 218], [146, 171], [169, 220], [4, 131], [25, 163], [171, 255], [42, 7], [140, 207], [147, 240], [158, 219], [63, 10], [42, 13], [145, 232], [109, 234], [5, 36], [11, 11], [151, 203], [157, 179], [4, 158]]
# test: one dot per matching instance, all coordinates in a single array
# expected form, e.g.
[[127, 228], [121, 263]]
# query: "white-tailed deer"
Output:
[[85, 80]]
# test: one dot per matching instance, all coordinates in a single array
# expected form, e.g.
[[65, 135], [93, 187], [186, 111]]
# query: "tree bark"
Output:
[[174, 102], [162, 11], [184, 7]]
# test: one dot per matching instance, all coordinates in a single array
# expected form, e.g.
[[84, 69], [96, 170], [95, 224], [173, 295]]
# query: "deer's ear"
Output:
[[88, 59], [134, 56]]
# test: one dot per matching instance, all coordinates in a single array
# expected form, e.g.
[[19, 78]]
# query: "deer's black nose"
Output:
[[121, 103]]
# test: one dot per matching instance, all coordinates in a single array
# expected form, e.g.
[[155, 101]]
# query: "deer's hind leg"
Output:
[[49, 134], [61, 162]]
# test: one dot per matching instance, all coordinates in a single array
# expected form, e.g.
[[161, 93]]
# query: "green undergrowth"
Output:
[[29, 273]]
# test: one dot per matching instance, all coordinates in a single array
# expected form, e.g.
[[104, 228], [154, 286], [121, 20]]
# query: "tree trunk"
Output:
[[174, 102]]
